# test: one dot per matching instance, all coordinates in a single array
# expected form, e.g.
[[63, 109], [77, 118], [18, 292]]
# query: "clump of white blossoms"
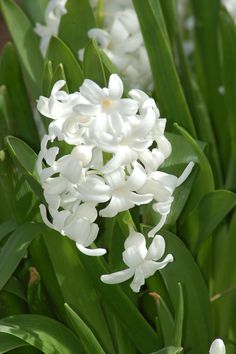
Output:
[[121, 39], [54, 11], [115, 147]]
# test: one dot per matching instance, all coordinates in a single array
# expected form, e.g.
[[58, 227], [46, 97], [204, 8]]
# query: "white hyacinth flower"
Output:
[[231, 7], [78, 226], [54, 11], [217, 347], [142, 262], [121, 39], [116, 146]]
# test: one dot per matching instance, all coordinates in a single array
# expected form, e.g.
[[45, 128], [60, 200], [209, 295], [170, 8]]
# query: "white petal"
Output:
[[42, 106], [102, 37], [87, 210], [95, 252], [78, 229], [88, 109], [124, 156], [217, 347], [52, 200], [115, 206], [157, 248], [55, 185], [139, 199], [115, 87], [161, 223], [43, 212], [92, 92], [57, 86], [115, 179], [137, 178], [150, 267], [127, 107], [117, 277], [138, 280], [185, 173], [134, 256]]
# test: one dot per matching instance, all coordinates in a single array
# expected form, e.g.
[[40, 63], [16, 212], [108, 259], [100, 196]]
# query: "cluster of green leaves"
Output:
[[51, 298]]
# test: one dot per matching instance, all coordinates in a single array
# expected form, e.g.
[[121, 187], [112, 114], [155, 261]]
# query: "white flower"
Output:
[[77, 225], [231, 7], [54, 11], [217, 347], [66, 123], [162, 185], [122, 41], [142, 262]]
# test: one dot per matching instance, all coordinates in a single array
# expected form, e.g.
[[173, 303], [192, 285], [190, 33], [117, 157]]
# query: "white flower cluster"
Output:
[[116, 146], [54, 11], [122, 41]]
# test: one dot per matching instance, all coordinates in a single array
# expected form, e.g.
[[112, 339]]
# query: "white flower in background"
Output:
[[231, 7], [121, 39], [142, 262], [115, 147], [217, 347], [54, 11]]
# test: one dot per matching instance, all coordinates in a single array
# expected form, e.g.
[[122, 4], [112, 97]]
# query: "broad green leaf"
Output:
[[9, 342], [136, 327], [22, 121], [228, 42], [44, 333], [26, 159], [169, 91], [15, 287], [204, 182], [192, 92], [15, 248], [26, 42], [35, 10], [207, 44], [37, 298], [213, 208], [76, 23], [59, 53], [6, 228], [197, 332], [68, 268], [84, 332], [92, 64]]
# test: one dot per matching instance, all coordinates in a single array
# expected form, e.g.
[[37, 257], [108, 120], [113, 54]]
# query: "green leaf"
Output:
[[207, 45], [22, 121], [179, 317], [169, 350], [136, 327], [35, 10], [169, 91], [59, 53], [76, 23], [6, 228], [212, 209], [44, 333], [228, 41], [92, 64], [84, 332], [26, 42], [9, 342], [27, 160], [193, 94], [68, 268], [205, 181], [197, 333], [14, 286], [166, 322], [15, 248]]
